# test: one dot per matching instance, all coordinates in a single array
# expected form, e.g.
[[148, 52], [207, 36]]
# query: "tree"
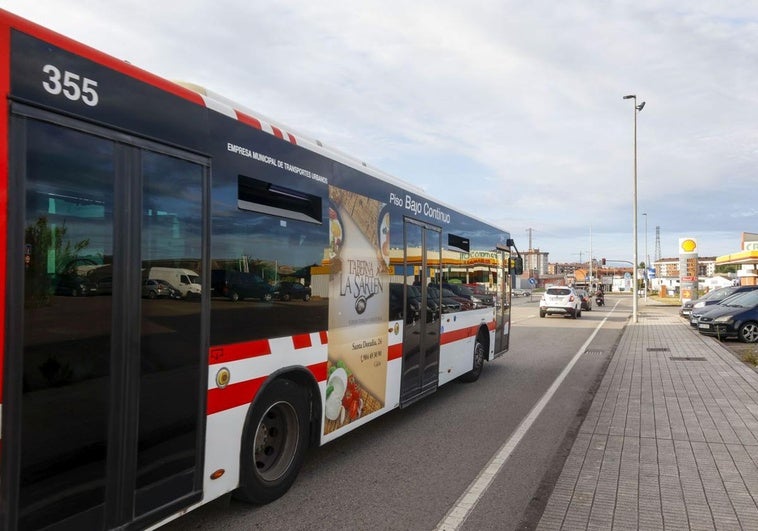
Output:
[[40, 239], [730, 268]]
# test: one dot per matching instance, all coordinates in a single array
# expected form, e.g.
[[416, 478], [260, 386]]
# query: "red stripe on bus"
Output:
[[292, 139], [395, 352], [457, 335], [239, 351], [233, 395], [324, 337], [302, 341], [242, 393], [249, 120], [277, 132]]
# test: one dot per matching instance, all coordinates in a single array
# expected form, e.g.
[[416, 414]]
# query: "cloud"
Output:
[[511, 110]]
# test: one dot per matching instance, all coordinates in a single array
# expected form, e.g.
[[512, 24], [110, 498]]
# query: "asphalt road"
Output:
[[407, 469]]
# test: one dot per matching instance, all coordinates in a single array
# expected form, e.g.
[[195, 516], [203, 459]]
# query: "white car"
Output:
[[562, 300]]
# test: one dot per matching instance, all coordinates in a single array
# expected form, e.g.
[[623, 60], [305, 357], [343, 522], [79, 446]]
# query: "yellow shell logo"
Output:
[[689, 245]]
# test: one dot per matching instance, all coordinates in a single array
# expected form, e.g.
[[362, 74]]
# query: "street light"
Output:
[[637, 108], [647, 264]]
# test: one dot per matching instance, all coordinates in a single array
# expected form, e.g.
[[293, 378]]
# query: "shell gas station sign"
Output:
[[688, 269]]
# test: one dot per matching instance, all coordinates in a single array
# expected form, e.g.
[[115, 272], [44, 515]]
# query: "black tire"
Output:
[[267, 297], [285, 296], [478, 358], [542, 314], [234, 296], [578, 314], [273, 443], [306, 297], [748, 332], [151, 294]]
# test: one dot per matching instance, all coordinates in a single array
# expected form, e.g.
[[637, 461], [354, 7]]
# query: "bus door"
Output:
[[103, 410], [421, 338], [502, 303]]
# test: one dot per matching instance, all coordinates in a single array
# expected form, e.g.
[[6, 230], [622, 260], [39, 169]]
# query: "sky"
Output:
[[506, 109]]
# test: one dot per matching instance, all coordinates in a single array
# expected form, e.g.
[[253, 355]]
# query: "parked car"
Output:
[[103, 285], [486, 298], [464, 292], [521, 292], [712, 297], [285, 291], [73, 279], [72, 283], [432, 304], [185, 280], [561, 300], [466, 303], [469, 301], [412, 307], [586, 299], [738, 318], [236, 285], [156, 288], [697, 313], [449, 304]]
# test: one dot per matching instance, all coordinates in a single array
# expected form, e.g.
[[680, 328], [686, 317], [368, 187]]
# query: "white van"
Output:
[[185, 280]]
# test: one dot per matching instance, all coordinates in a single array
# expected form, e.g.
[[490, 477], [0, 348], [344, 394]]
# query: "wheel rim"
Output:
[[749, 333], [276, 440]]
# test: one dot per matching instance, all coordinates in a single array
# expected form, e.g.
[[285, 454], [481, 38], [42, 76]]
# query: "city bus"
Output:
[[193, 294]]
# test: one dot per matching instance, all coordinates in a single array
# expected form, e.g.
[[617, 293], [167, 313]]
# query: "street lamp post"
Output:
[[636, 109], [647, 264]]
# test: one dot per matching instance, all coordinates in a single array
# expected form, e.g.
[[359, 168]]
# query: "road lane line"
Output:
[[476, 489]]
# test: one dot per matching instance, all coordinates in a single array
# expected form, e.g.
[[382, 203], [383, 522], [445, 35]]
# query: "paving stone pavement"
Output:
[[670, 440]]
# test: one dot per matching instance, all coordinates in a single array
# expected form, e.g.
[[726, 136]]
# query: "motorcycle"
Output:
[[600, 299]]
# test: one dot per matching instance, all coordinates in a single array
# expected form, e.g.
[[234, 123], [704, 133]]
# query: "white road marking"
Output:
[[471, 496]]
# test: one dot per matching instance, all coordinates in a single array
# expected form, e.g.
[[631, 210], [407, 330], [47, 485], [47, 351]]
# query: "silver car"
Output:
[[562, 300]]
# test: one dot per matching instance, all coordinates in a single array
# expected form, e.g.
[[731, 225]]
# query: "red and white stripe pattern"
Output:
[[249, 363], [228, 108]]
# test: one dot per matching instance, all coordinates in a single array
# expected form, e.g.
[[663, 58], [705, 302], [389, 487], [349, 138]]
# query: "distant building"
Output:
[[535, 263], [669, 267]]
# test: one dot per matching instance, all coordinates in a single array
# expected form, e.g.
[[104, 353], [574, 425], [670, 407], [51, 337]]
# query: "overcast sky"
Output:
[[510, 110]]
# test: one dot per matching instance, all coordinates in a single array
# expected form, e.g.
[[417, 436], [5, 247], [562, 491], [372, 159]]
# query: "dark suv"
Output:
[[236, 285]]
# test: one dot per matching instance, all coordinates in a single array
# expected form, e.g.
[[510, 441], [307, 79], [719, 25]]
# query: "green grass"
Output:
[[751, 357]]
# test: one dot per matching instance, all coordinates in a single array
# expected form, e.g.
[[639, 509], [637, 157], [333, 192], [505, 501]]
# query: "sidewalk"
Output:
[[671, 438]]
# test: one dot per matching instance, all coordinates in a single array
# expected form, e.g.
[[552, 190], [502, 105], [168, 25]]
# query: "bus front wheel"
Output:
[[478, 359], [273, 443]]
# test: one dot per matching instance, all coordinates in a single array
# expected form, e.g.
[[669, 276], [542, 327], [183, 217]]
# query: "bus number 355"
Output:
[[72, 85]]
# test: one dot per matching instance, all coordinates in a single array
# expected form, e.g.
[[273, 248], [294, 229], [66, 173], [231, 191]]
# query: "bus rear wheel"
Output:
[[274, 442]]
